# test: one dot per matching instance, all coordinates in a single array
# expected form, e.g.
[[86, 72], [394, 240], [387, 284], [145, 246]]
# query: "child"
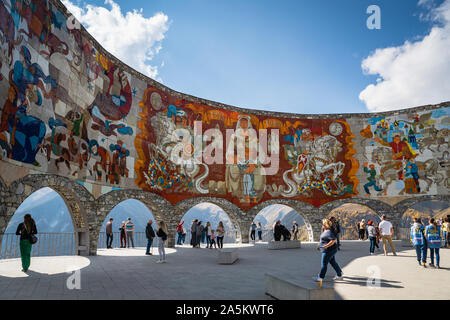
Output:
[[213, 240]]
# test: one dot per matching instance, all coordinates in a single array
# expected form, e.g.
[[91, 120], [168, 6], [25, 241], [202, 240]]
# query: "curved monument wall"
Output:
[[69, 108]]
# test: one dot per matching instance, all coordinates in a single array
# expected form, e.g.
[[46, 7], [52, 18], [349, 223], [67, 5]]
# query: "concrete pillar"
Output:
[[244, 226], [171, 236]]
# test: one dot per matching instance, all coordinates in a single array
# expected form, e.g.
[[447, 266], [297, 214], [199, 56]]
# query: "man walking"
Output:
[[387, 231], [130, 233], [109, 234], [150, 234]]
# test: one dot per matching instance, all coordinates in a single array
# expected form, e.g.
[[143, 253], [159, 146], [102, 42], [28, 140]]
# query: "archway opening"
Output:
[[139, 215], [209, 212], [54, 223], [349, 215], [425, 210], [287, 215]]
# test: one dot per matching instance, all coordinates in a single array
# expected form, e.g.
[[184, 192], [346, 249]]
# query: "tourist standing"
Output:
[[208, 233], [194, 233], [294, 230], [109, 234], [130, 232], [199, 232], [213, 240], [162, 237], [253, 231], [259, 229], [150, 234], [362, 229], [204, 232], [26, 230], [419, 241], [433, 237], [183, 233], [446, 232], [387, 231], [372, 236], [220, 234], [180, 232], [328, 249], [123, 236]]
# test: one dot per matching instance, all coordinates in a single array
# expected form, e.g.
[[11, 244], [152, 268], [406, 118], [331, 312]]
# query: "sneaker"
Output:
[[371, 253], [431, 265], [317, 279], [148, 254], [336, 278], [424, 264], [420, 263], [159, 261]]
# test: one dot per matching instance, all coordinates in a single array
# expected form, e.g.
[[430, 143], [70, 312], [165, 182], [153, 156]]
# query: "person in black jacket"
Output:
[[285, 233], [277, 231], [26, 229], [150, 234]]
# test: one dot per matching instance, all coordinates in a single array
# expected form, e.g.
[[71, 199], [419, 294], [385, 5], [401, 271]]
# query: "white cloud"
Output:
[[415, 73], [132, 38]]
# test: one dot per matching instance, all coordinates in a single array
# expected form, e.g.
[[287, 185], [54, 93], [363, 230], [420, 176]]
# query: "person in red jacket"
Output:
[[180, 232]]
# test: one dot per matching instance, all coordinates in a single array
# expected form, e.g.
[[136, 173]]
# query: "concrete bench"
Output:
[[228, 256], [290, 244], [282, 288]]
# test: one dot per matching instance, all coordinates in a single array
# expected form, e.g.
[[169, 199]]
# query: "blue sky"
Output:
[[293, 56]]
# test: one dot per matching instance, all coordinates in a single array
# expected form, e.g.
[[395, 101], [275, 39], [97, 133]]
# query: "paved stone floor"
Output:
[[195, 274]]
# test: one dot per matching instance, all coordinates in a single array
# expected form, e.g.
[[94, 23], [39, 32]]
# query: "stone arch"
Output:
[[159, 207], [379, 207], [235, 214], [307, 211], [77, 199], [403, 205]]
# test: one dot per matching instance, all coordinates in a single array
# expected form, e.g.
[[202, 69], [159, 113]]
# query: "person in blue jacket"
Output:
[[433, 234], [419, 241]]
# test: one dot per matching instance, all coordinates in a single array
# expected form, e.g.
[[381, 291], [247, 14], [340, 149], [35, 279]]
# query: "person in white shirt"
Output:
[[387, 230]]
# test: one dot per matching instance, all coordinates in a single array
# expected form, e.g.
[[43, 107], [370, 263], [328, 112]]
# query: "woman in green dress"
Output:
[[26, 229]]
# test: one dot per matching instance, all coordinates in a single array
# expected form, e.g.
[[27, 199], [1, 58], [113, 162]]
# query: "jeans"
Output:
[[260, 235], [130, 238], [432, 252], [373, 243], [328, 257], [109, 240], [180, 237], [161, 250], [220, 242], [123, 240], [149, 245], [208, 241], [252, 235], [194, 239], [445, 238], [421, 252]]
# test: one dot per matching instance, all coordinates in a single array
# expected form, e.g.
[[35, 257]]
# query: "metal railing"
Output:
[[48, 244], [139, 239], [229, 237]]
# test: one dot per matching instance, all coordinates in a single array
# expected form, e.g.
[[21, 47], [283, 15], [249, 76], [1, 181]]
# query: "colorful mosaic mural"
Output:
[[71, 109]]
